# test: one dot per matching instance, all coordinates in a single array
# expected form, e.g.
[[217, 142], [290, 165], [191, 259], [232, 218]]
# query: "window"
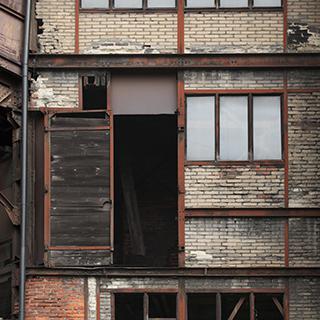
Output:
[[237, 305], [233, 3], [94, 92], [92, 4], [127, 4], [234, 128], [155, 305]]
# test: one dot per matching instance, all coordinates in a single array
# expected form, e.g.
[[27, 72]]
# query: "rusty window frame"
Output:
[[249, 294], [216, 5], [250, 159], [111, 7]]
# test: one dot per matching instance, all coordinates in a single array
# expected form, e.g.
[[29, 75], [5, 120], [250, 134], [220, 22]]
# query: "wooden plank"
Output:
[[252, 306], [278, 305], [218, 306], [236, 308]]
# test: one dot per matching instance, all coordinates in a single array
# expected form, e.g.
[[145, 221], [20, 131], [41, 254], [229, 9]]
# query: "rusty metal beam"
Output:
[[178, 272], [11, 210], [257, 213], [175, 61]]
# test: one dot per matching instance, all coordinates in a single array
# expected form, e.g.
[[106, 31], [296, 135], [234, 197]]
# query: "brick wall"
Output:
[[303, 25], [55, 89], [128, 32], [304, 300], [304, 150], [224, 79], [58, 26], [304, 242], [233, 32], [54, 298], [251, 186], [238, 242]]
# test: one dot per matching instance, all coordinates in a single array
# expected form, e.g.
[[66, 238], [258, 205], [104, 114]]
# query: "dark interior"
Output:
[[129, 306], [162, 305], [202, 306], [266, 309], [228, 303], [94, 93], [145, 190]]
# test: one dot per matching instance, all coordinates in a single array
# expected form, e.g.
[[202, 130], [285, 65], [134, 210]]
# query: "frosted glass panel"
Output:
[[267, 3], [200, 3], [200, 128], [94, 3], [161, 3], [267, 128], [233, 3], [128, 3], [234, 128]]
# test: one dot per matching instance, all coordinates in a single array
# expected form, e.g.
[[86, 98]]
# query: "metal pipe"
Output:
[[24, 142]]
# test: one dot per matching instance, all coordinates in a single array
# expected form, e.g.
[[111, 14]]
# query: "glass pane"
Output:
[[94, 3], [161, 3], [233, 3], [128, 3], [234, 128], [200, 128], [200, 3], [267, 3], [267, 128]]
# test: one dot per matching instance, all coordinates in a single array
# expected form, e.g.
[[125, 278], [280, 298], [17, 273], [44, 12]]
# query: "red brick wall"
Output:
[[55, 298]]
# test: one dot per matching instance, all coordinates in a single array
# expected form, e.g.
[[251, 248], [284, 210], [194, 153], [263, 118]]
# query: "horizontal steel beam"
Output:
[[175, 272], [175, 61], [257, 213]]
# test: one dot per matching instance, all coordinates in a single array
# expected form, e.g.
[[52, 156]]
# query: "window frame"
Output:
[[144, 7], [217, 160], [216, 6]]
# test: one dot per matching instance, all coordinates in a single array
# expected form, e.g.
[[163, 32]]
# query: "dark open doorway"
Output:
[[145, 148]]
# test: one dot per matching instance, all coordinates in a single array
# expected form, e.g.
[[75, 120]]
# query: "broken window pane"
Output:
[[94, 93], [269, 306], [200, 128], [201, 306], [161, 3], [267, 128], [94, 3], [234, 128], [233, 3], [129, 306], [267, 3], [200, 3], [162, 306], [235, 306], [128, 3]]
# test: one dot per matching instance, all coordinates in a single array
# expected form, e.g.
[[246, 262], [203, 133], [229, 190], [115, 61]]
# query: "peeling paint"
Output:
[[303, 37]]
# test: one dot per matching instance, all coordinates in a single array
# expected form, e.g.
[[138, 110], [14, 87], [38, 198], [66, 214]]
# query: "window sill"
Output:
[[272, 163]]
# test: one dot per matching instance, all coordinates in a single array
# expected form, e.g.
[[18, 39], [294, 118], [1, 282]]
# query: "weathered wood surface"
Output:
[[80, 184]]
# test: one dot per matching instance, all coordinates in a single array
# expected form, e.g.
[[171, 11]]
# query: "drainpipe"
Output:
[[24, 131]]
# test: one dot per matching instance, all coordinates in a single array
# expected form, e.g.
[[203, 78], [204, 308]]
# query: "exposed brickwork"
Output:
[[54, 298], [55, 89], [304, 299], [128, 33], [304, 150], [58, 29], [133, 283], [304, 25], [235, 283], [304, 242], [304, 79], [233, 79], [234, 186], [243, 242], [233, 32]]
